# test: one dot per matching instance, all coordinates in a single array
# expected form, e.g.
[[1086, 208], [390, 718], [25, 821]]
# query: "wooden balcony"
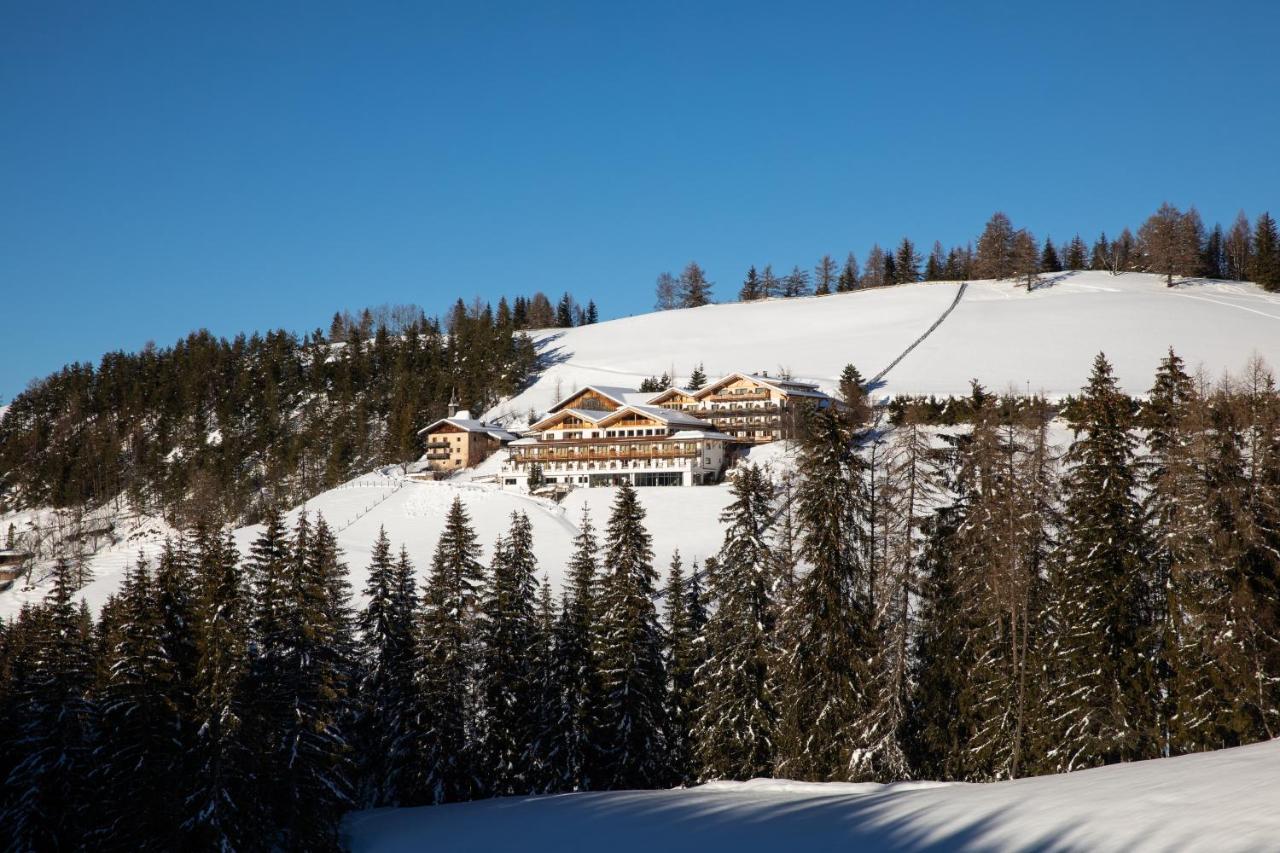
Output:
[[598, 454], [735, 411], [745, 395], [438, 456], [437, 445]]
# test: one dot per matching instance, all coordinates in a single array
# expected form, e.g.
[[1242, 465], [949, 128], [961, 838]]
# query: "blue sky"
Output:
[[166, 167]]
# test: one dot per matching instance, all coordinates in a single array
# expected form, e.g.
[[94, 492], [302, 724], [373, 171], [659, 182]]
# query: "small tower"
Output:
[[453, 402]]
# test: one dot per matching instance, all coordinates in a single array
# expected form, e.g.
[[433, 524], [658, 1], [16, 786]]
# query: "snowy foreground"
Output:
[[1221, 801]]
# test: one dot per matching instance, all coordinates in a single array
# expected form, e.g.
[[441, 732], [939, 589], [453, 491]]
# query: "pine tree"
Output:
[[849, 278], [387, 690], [796, 283], [1265, 262], [751, 287], [697, 379], [140, 764], [906, 264], [508, 694], [935, 268], [219, 810], [447, 670], [828, 685], [1049, 261], [681, 663], [629, 650], [694, 289], [574, 748], [737, 713], [592, 315], [1076, 257], [48, 791], [1101, 683]]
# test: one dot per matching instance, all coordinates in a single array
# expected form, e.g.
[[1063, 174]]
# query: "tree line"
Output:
[[1170, 242], [963, 604], [214, 429]]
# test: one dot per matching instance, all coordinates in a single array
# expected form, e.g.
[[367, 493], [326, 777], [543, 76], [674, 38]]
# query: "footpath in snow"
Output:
[[1222, 801]]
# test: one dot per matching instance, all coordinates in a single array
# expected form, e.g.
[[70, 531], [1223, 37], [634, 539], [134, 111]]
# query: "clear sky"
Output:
[[171, 166]]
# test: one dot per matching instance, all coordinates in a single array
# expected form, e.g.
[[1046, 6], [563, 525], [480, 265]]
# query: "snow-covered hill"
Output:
[[1221, 801], [998, 333]]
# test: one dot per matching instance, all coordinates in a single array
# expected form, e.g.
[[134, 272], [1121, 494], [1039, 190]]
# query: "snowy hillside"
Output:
[[998, 333], [1220, 801]]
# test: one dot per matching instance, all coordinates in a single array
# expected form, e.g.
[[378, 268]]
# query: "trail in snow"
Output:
[[927, 332]]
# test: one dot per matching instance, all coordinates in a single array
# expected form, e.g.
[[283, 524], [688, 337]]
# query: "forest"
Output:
[[918, 602]]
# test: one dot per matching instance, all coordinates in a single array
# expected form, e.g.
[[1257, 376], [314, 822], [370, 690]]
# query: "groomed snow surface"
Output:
[[999, 334], [1221, 801]]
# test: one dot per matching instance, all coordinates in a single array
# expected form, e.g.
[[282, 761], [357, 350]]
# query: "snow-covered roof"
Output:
[[791, 387], [617, 393], [471, 425], [593, 416], [667, 416]]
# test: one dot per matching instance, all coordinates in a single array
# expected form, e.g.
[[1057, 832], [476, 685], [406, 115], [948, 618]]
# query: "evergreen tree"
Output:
[[1265, 262], [593, 315], [508, 687], [629, 651], [693, 287], [906, 264], [573, 751], [935, 268], [1101, 683], [1076, 256], [849, 278], [48, 791], [219, 810], [1213, 260], [140, 764], [737, 715], [1049, 261], [447, 670], [751, 287], [387, 690], [828, 684], [697, 379], [681, 663]]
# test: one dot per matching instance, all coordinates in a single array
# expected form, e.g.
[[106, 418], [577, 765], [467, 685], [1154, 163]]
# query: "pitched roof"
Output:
[[672, 417], [593, 416], [471, 425], [792, 387], [616, 393]]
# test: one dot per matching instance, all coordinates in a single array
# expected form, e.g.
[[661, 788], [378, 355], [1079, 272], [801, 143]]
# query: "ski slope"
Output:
[[998, 333], [1221, 801]]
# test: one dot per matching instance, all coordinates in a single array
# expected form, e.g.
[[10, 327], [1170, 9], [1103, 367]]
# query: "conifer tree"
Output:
[[796, 283], [906, 263], [48, 791], [697, 379], [1265, 261], [693, 287], [508, 686], [140, 764], [995, 249], [219, 810], [574, 748], [751, 287], [681, 663], [387, 690], [770, 284], [447, 671], [1049, 261], [849, 277], [1101, 683], [737, 712], [828, 685], [1076, 255], [629, 650]]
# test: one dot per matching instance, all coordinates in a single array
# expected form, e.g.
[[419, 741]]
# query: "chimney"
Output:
[[453, 402]]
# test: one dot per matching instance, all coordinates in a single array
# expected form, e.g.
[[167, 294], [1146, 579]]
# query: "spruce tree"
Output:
[[681, 663], [508, 630], [48, 791], [849, 277], [388, 688], [827, 684], [1265, 261], [1101, 679], [140, 763], [445, 756], [694, 289], [737, 713], [697, 379], [751, 287], [629, 650], [218, 805], [574, 743], [1049, 261]]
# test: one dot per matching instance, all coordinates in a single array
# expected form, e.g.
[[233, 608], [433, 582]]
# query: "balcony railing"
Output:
[[437, 445], [526, 456], [434, 456], [745, 395]]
